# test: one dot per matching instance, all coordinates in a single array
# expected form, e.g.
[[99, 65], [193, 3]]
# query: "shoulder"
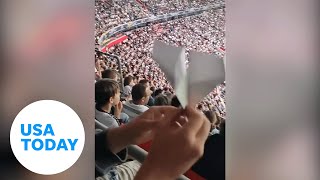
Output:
[[143, 108]]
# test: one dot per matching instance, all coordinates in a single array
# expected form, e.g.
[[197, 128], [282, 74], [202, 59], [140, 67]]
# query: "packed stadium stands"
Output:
[[204, 32]]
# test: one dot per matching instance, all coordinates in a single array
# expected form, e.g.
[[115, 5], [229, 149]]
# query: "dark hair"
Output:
[[175, 101], [161, 100], [138, 92], [157, 92], [127, 80], [104, 90], [152, 88], [109, 73], [143, 81]]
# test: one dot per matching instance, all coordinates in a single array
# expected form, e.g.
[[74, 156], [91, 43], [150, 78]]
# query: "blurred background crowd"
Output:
[[203, 33]]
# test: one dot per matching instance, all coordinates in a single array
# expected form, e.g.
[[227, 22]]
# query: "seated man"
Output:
[[140, 97], [107, 94], [161, 100], [146, 83]]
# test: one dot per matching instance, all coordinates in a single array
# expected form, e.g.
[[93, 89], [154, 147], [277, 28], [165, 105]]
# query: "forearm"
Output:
[[117, 139]]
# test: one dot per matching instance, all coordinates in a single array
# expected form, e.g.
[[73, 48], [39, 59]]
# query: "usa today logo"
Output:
[[47, 137]]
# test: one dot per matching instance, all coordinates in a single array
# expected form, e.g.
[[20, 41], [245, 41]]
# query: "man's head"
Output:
[[140, 94], [107, 91], [110, 74], [161, 100], [146, 83]]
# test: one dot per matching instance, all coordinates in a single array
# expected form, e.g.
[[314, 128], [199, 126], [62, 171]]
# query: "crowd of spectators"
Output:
[[158, 7], [109, 14], [203, 33]]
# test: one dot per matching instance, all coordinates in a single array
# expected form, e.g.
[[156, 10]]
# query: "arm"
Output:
[[105, 157], [177, 145]]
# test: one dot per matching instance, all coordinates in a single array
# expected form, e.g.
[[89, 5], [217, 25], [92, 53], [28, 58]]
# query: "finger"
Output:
[[195, 120], [182, 120], [157, 112]]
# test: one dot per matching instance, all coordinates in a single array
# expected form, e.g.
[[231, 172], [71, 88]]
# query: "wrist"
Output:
[[117, 114]]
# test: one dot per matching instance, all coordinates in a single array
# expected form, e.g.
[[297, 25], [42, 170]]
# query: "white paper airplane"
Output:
[[205, 72]]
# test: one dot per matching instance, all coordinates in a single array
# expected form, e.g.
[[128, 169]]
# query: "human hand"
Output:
[[141, 129], [177, 145], [117, 110]]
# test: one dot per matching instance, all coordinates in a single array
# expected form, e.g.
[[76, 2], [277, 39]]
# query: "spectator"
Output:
[[161, 100], [146, 83], [107, 94], [110, 74], [169, 95], [157, 92], [128, 84], [137, 105]]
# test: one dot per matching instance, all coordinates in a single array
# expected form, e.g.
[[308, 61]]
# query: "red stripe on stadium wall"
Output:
[[117, 41], [113, 43]]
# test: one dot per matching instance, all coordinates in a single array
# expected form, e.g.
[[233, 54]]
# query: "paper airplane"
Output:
[[205, 72]]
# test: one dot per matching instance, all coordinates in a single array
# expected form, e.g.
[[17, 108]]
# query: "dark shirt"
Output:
[[212, 163]]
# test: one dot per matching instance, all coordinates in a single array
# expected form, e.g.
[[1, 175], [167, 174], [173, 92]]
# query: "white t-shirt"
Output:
[[127, 90]]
